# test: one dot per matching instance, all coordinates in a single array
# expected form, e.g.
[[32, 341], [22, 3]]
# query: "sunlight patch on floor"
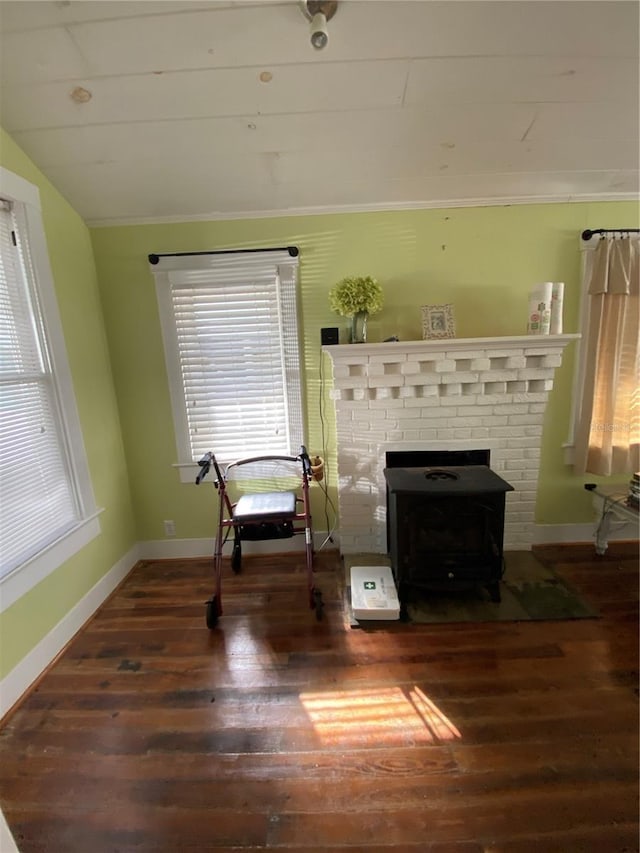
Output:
[[378, 716]]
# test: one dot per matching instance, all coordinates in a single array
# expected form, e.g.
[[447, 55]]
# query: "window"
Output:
[[230, 329], [47, 509]]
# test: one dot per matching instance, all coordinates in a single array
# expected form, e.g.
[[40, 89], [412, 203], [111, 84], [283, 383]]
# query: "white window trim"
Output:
[[586, 258], [186, 467], [26, 576]]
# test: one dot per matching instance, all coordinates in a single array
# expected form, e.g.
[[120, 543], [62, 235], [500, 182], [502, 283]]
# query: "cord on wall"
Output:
[[325, 485]]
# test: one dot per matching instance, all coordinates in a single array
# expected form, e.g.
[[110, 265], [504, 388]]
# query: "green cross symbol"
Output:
[[369, 584]]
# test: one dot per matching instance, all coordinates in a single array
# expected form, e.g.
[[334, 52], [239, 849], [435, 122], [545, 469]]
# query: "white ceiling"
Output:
[[417, 103]]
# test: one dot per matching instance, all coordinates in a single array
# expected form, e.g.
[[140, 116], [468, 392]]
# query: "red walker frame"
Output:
[[260, 522]]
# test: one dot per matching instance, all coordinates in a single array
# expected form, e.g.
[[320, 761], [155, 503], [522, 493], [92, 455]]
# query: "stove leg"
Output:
[[402, 597], [494, 591]]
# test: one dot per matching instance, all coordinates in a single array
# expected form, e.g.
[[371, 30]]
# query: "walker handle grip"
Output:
[[306, 462], [205, 466]]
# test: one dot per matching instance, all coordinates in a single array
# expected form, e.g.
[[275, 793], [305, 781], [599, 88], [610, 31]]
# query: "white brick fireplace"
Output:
[[454, 394]]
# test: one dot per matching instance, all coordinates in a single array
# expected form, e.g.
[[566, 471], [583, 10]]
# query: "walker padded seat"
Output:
[[265, 506], [265, 515]]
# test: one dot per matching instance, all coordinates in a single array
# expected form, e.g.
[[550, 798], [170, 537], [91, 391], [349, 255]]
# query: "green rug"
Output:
[[529, 591]]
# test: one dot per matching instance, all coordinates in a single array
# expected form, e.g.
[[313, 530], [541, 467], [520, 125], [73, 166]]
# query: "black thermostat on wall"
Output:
[[329, 336]]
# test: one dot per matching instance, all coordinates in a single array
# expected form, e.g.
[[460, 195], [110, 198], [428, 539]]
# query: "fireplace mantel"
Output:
[[345, 352], [451, 393]]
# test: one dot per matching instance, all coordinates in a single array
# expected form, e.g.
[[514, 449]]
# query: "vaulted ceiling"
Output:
[[162, 110]]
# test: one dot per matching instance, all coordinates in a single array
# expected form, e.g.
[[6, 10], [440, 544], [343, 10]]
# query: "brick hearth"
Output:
[[455, 394]]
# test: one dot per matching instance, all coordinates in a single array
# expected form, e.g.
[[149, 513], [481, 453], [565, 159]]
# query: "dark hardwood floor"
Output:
[[279, 732]]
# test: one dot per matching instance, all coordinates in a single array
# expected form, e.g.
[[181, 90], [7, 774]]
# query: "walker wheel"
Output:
[[212, 613], [236, 558]]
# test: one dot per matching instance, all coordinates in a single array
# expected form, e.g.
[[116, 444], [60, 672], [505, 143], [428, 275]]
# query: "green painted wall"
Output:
[[25, 623], [484, 260]]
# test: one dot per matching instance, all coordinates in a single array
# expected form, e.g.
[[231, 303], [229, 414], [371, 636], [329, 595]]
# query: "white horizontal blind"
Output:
[[37, 500], [235, 331]]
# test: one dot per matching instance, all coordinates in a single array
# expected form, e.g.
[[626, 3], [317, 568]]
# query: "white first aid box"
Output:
[[373, 593]]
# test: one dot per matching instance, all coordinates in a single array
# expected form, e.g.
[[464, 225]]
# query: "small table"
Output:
[[611, 504]]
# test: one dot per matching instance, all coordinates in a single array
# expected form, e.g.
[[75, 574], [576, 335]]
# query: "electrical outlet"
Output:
[[170, 528]]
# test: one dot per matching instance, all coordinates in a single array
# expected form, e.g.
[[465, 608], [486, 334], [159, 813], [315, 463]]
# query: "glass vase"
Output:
[[359, 327]]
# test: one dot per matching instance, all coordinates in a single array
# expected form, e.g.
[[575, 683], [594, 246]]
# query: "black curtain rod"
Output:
[[588, 234], [293, 252]]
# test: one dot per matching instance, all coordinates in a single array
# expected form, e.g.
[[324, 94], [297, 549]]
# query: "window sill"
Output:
[[187, 471], [29, 574]]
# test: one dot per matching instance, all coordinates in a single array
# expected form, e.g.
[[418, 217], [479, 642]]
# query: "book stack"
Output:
[[545, 309], [557, 301], [539, 322], [633, 499]]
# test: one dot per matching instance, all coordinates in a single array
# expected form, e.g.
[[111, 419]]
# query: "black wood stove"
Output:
[[446, 527]]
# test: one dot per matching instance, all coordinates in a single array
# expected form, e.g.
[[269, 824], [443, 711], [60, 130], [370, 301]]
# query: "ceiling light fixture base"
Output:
[[319, 12], [314, 7]]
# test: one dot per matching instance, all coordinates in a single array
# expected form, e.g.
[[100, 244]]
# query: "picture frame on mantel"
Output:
[[438, 321]]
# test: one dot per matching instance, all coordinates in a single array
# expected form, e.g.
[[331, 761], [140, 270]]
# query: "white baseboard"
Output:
[[7, 843], [551, 533], [22, 676], [175, 549]]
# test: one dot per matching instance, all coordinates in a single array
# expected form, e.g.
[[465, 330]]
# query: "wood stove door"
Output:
[[447, 541]]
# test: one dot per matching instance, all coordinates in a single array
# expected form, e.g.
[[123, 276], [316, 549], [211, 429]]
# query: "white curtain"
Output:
[[608, 429]]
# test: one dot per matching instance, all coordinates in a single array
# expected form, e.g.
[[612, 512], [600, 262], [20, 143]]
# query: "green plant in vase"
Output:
[[357, 297]]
